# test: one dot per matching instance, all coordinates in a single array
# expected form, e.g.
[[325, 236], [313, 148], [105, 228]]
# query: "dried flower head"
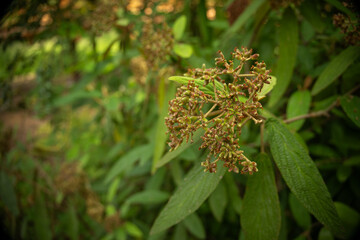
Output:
[[232, 99]]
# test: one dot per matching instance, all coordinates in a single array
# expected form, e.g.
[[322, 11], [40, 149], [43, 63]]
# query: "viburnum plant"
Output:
[[232, 99]]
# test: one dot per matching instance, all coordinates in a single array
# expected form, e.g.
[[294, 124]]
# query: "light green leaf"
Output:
[[112, 189], [267, 87], [302, 176], [335, 68], [183, 50], [194, 225], [179, 27], [218, 201], [133, 230], [299, 104], [171, 155], [193, 191], [128, 160], [301, 215], [350, 217], [288, 45], [351, 106], [261, 205]]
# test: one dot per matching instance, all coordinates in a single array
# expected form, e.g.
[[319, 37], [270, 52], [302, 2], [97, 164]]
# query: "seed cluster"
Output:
[[232, 101], [348, 27]]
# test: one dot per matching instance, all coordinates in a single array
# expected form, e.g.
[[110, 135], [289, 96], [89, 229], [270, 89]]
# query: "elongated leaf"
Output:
[[351, 106], [208, 89], [75, 96], [299, 104], [194, 190], [261, 205], [7, 193], [148, 197], [171, 155], [301, 215], [288, 45], [335, 68], [183, 50], [267, 87], [233, 193], [218, 201], [194, 225], [179, 27], [180, 232], [350, 217], [42, 221], [127, 160], [302, 176]]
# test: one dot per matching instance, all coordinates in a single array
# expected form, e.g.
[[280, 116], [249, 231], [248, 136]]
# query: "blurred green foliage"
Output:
[[84, 91]]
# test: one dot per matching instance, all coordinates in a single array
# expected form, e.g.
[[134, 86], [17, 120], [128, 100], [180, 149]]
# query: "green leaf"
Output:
[[133, 230], [350, 217], [128, 160], [171, 155], [233, 193], [183, 50], [335, 68], [302, 176], [194, 225], [261, 205], [42, 221], [218, 201], [179, 27], [288, 45], [343, 173], [180, 232], [301, 215], [113, 189], [267, 87], [325, 234], [7, 193], [351, 106], [72, 229], [148, 197], [193, 191], [299, 104], [208, 89], [75, 96], [160, 135]]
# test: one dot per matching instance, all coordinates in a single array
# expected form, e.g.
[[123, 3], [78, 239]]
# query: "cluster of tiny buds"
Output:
[[221, 101]]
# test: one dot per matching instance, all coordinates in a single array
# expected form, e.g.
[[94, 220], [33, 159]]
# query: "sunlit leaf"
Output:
[[261, 205], [193, 191], [267, 87], [335, 68], [302, 176], [179, 27], [183, 50]]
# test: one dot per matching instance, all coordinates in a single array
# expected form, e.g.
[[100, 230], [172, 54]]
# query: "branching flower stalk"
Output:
[[232, 98]]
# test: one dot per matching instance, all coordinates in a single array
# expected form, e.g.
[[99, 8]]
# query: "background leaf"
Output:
[[179, 27], [194, 225], [218, 201], [288, 45], [336, 67], [194, 190], [183, 50], [299, 104], [351, 106], [302, 176], [261, 207], [301, 215]]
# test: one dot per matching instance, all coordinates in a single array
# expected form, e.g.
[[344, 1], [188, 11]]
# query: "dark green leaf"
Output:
[[335, 68], [343, 173], [42, 221], [7, 193], [261, 205], [218, 201], [299, 104], [194, 190], [302, 176], [301, 215], [350, 217], [194, 225], [233, 193], [351, 106], [325, 234], [288, 44]]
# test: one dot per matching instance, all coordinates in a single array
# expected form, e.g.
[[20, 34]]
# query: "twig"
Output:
[[214, 113], [211, 109], [262, 146]]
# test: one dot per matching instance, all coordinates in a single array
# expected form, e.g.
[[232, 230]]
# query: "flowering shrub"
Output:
[[233, 97]]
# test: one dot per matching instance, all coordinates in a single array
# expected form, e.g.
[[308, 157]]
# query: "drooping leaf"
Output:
[[288, 45], [193, 191], [299, 104], [267, 87], [127, 160], [351, 106], [171, 155], [302, 176], [183, 50], [218, 201], [195, 226], [335, 68], [179, 27], [301, 215], [261, 205]]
